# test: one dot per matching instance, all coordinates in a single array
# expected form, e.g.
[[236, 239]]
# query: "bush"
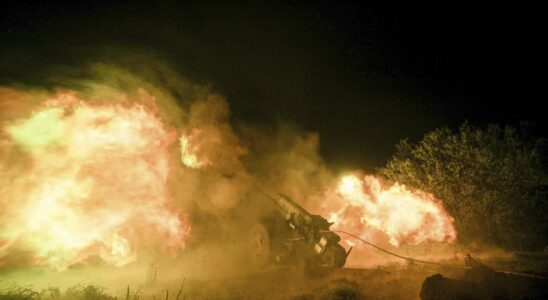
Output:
[[491, 180], [78, 292]]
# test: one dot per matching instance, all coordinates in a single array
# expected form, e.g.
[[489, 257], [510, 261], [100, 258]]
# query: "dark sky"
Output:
[[364, 76]]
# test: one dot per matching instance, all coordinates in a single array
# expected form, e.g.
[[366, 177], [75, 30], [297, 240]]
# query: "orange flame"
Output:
[[191, 147], [393, 213], [94, 184]]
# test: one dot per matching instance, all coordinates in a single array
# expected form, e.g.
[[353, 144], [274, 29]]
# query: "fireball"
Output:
[[373, 210], [90, 181]]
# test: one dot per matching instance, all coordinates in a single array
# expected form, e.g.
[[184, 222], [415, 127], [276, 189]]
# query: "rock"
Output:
[[484, 283], [437, 287]]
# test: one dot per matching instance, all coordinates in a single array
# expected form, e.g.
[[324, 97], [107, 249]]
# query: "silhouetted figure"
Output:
[[470, 262], [152, 272]]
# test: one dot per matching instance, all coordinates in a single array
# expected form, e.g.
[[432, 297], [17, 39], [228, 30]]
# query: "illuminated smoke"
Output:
[[211, 148]]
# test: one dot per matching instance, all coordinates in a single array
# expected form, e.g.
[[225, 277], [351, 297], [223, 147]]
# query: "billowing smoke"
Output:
[[209, 144], [128, 160]]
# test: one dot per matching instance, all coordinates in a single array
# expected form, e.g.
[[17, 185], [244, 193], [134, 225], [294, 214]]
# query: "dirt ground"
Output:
[[394, 282]]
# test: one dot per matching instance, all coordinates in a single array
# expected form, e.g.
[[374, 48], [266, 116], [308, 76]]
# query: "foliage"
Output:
[[88, 292], [80, 292], [19, 293], [77, 292], [491, 180]]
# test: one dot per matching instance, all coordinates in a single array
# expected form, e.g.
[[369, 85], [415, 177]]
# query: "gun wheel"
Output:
[[259, 246]]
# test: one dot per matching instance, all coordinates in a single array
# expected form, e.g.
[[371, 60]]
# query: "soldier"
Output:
[[152, 272], [470, 262]]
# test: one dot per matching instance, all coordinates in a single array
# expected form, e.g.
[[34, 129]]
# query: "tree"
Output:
[[491, 180]]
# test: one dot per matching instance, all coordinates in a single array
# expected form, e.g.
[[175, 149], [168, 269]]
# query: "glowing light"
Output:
[[42, 129]]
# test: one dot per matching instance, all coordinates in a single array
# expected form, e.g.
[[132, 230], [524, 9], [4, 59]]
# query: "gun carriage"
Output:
[[292, 235]]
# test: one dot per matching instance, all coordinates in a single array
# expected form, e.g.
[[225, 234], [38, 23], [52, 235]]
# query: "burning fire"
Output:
[[393, 213], [190, 146], [87, 179]]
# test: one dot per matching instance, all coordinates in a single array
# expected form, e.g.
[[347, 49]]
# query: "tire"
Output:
[[258, 246]]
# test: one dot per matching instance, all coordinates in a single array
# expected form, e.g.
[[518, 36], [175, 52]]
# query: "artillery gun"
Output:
[[291, 235]]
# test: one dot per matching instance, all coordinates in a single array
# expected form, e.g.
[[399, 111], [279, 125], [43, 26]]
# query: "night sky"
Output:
[[361, 75]]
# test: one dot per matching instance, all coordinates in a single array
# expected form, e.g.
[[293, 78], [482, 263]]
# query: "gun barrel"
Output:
[[286, 206]]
